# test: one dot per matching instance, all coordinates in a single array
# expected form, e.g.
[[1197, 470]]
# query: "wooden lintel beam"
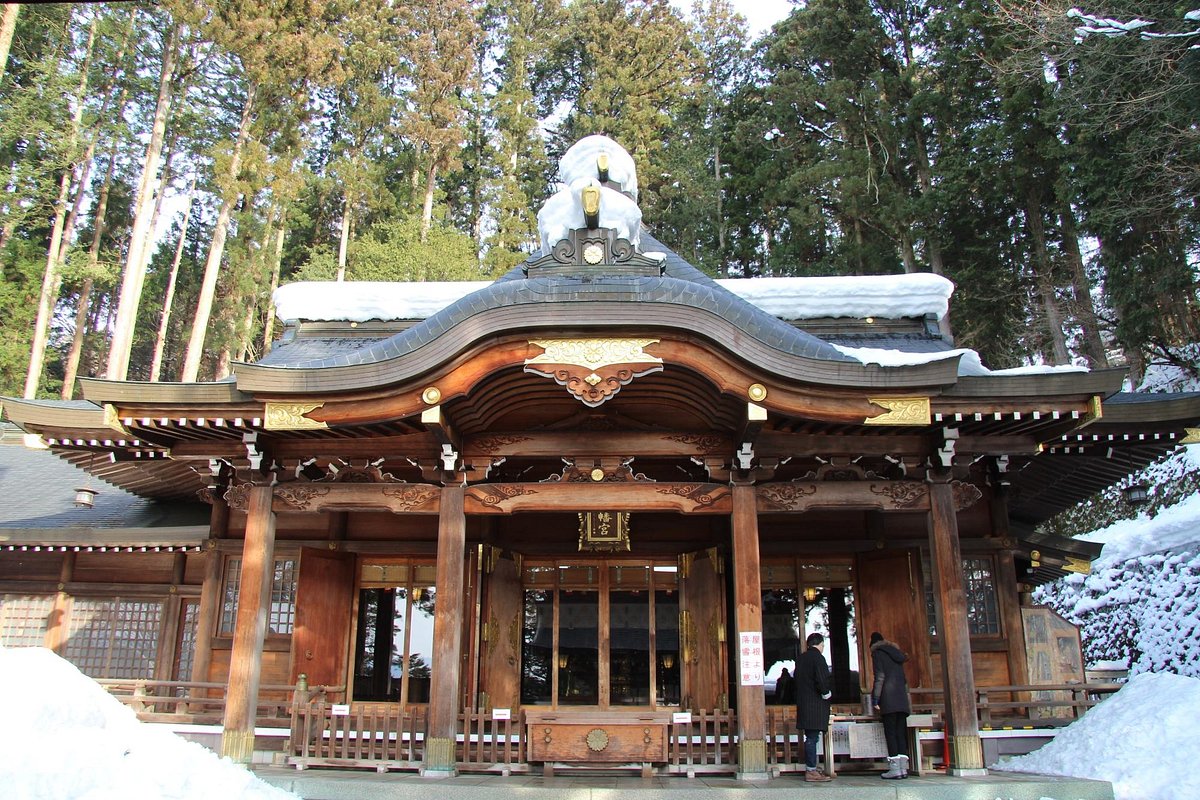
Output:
[[619, 444], [639, 496], [997, 445], [806, 445]]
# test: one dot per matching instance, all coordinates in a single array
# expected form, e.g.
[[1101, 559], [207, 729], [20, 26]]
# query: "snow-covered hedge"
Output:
[[1144, 611]]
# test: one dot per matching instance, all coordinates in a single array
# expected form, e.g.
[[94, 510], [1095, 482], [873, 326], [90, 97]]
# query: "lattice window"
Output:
[[229, 595], [281, 615], [187, 641], [24, 619], [983, 616], [114, 638]]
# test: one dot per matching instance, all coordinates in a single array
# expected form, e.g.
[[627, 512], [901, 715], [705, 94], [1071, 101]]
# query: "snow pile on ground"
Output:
[[64, 736], [1143, 740]]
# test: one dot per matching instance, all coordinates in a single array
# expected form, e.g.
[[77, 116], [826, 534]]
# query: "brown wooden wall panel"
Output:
[[18, 566], [891, 600], [195, 566], [135, 568], [275, 666], [991, 668]]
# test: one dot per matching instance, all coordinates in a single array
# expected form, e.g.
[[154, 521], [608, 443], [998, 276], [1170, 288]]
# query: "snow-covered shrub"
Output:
[[1144, 611]]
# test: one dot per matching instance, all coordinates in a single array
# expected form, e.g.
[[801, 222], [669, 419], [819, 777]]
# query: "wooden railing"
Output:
[[379, 735], [706, 744], [196, 702], [1026, 704], [386, 736]]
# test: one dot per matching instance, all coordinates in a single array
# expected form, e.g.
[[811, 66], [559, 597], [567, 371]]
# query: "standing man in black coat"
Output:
[[813, 691], [889, 696]]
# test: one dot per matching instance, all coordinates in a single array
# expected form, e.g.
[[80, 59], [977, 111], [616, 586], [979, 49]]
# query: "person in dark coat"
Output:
[[784, 690], [812, 686], [889, 696]]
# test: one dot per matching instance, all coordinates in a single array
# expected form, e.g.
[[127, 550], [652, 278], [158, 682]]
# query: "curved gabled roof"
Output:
[[682, 299]]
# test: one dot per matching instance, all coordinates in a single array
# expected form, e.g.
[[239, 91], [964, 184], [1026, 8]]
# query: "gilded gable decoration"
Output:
[[593, 370]]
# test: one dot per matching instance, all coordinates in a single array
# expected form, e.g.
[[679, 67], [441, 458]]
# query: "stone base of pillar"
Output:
[[966, 756], [752, 760], [238, 746], [439, 759]]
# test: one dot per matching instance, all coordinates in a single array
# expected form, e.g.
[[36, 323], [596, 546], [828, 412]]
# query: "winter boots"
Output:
[[897, 768]]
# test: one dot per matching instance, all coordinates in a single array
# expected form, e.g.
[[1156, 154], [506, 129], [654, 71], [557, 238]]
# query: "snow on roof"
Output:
[[968, 365], [65, 736], [1143, 740], [883, 296]]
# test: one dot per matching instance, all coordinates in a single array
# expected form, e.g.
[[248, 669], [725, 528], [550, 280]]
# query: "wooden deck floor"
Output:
[[316, 784]]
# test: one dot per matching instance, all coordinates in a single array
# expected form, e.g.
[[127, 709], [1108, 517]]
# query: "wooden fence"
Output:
[[386, 736]]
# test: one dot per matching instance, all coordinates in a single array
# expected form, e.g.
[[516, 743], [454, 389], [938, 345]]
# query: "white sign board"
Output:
[[339, 710], [681, 718], [867, 740], [750, 650], [499, 714]]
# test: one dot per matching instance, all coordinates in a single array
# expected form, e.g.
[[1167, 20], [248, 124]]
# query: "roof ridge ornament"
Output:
[[592, 225]]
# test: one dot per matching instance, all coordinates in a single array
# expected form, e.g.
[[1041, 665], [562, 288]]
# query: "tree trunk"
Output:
[[71, 370], [208, 288], [1085, 309], [276, 261], [50, 283], [1044, 280], [933, 250], [427, 208], [344, 239], [135, 263], [60, 235], [8, 24], [160, 341]]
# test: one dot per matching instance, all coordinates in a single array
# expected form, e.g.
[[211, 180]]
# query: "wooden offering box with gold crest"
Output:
[[595, 737]]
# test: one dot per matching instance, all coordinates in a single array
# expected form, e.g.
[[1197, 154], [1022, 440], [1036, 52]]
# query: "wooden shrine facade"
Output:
[[582, 492]]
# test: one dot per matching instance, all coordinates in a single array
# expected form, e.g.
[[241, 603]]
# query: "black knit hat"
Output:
[[876, 637]]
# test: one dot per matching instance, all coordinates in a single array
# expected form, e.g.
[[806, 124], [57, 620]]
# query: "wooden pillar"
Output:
[[210, 590], [168, 637], [1007, 590], [447, 635], [56, 625], [747, 599], [950, 602], [250, 629]]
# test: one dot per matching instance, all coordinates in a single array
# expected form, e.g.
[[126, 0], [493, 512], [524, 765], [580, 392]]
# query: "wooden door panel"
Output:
[[324, 606], [503, 617], [703, 605], [891, 600]]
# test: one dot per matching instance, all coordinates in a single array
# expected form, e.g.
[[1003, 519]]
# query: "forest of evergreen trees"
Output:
[[168, 164]]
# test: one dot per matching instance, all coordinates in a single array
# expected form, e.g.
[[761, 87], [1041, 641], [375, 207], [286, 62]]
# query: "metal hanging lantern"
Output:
[[85, 496], [1136, 493]]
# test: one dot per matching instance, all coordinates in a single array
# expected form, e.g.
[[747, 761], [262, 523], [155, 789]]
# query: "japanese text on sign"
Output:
[[751, 658]]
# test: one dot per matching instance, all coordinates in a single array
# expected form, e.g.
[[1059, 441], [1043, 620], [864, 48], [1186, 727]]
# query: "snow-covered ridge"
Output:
[[881, 296]]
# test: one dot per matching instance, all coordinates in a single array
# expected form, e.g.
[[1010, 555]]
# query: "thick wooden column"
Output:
[[250, 629], [447, 635], [56, 626], [950, 602], [210, 590], [1007, 592], [747, 599]]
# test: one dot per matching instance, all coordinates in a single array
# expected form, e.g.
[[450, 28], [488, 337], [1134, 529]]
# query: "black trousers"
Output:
[[895, 731]]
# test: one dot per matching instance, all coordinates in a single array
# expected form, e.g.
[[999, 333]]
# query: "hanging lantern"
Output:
[[85, 497], [810, 595], [1136, 493]]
